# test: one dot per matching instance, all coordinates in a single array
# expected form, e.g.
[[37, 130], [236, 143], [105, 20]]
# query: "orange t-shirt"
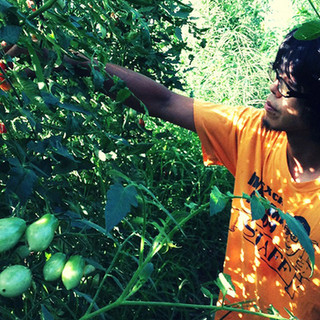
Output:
[[263, 257]]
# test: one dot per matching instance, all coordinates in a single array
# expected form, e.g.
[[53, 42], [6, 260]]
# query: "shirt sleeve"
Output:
[[220, 129]]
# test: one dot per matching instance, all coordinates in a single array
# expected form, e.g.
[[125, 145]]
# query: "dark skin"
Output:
[[303, 153], [282, 114]]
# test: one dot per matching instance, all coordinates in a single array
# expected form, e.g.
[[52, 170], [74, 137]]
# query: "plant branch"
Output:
[[179, 305], [314, 8], [42, 9]]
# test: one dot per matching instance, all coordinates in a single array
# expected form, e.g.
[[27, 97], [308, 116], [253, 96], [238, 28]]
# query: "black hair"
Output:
[[299, 60]]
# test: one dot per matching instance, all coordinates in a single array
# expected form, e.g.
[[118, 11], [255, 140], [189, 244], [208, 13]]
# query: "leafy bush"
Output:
[[72, 152]]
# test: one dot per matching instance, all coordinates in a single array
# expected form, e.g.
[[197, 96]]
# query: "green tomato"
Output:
[[52, 269], [11, 230], [146, 271], [14, 280], [73, 272], [40, 233]]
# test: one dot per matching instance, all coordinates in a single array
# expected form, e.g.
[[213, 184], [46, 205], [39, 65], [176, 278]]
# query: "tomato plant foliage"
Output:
[[72, 152]]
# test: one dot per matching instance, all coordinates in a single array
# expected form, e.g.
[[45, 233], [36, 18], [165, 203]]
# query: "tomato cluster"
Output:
[[16, 279]]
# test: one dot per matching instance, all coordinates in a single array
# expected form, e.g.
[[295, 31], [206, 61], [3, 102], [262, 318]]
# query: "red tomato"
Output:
[[2, 128], [5, 86], [141, 123]]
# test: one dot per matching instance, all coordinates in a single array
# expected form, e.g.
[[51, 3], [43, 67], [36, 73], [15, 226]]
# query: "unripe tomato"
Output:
[[41, 232], [11, 230], [73, 272], [52, 269], [14, 280]]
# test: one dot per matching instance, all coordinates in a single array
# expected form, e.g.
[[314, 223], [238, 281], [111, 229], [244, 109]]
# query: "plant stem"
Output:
[[106, 275], [178, 305], [42, 9], [143, 236], [113, 305], [186, 219], [314, 8]]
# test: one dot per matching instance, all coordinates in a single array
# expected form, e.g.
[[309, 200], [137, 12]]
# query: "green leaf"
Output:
[[308, 31], [257, 209], [218, 201], [46, 315], [206, 292], [72, 107], [300, 232], [123, 95], [140, 148], [98, 79], [91, 224], [21, 181], [58, 148], [225, 285], [178, 33], [49, 99], [119, 202], [36, 65], [9, 33], [272, 310]]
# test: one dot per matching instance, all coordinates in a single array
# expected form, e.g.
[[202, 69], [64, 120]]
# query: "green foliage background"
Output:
[[73, 152]]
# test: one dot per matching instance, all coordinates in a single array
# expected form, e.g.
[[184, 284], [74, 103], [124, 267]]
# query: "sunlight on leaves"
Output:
[[225, 284], [218, 201]]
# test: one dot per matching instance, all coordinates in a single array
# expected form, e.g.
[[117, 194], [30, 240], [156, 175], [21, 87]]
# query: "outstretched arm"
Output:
[[160, 101]]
